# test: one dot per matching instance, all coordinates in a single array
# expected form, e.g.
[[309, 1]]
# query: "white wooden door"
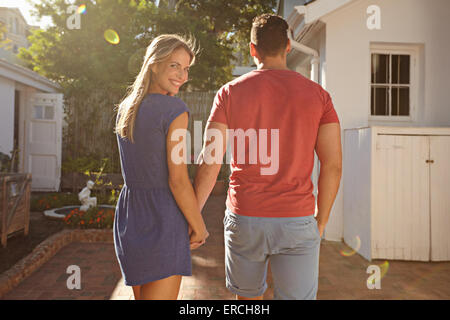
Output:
[[401, 208], [44, 140], [440, 197]]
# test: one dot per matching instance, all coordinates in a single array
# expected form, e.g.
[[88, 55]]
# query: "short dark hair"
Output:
[[269, 34]]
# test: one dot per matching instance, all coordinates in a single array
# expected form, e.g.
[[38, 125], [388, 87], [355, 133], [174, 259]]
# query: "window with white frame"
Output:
[[391, 83]]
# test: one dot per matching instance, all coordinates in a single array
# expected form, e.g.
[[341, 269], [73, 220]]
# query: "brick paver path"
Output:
[[340, 277]]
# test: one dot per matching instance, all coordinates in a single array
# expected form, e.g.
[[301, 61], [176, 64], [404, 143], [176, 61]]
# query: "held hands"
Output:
[[197, 238]]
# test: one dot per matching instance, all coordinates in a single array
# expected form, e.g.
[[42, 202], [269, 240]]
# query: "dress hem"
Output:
[[151, 279]]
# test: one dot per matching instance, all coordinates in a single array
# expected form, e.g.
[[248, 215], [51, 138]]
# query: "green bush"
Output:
[[110, 199], [5, 162], [47, 201], [87, 164]]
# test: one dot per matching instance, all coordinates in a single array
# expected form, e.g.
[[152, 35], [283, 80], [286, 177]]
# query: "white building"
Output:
[[17, 31], [384, 63], [30, 112]]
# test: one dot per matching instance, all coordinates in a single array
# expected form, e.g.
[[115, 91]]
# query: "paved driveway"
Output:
[[340, 276]]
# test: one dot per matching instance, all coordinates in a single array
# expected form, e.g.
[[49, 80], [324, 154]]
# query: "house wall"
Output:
[[288, 6], [7, 96], [357, 190], [16, 32], [417, 22], [6, 115]]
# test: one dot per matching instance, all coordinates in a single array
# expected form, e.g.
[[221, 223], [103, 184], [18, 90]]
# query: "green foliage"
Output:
[[3, 41], [94, 217], [5, 163], [82, 58], [87, 165], [9, 163], [52, 200], [109, 198], [95, 73]]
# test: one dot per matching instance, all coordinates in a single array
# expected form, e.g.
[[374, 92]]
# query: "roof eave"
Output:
[[28, 77]]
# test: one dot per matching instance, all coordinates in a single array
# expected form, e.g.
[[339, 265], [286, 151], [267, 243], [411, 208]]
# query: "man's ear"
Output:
[[252, 50], [288, 47]]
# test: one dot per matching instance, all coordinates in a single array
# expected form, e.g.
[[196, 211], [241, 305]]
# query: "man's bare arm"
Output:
[[206, 174], [329, 152]]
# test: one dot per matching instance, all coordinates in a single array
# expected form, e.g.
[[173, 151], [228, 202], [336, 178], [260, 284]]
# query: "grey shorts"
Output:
[[291, 245]]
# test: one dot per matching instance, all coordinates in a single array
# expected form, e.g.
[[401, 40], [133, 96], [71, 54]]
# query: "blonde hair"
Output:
[[158, 51]]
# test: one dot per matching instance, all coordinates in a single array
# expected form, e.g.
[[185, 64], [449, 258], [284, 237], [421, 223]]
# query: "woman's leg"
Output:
[[164, 289], [137, 292]]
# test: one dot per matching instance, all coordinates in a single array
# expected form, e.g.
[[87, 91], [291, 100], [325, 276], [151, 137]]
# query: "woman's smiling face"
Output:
[[171, 74]]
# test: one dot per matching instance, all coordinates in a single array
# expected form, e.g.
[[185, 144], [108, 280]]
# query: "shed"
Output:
[[31, 115], [392, 74], [396, 195]]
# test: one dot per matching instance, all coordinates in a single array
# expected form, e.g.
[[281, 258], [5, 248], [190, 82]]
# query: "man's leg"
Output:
[[295, 269], [245, 257]]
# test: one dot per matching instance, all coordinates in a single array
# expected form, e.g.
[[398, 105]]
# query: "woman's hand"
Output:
[[197, 239]]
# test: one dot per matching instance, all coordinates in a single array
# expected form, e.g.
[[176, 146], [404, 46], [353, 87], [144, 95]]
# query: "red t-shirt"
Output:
[[273, 99]]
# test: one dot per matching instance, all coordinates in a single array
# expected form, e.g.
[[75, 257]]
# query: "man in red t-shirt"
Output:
[[273, 119]]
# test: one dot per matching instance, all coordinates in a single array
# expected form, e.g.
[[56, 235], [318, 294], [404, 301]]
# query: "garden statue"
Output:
[[85, 197]]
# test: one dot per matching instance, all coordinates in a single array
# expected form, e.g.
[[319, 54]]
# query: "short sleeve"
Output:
[[329, 114], [177, 107], [218, 110]]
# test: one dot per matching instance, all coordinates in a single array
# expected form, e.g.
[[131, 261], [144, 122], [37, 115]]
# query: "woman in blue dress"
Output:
[[157, 220]]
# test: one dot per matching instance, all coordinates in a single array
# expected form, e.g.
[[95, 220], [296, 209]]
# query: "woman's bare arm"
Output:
[[179, 182]]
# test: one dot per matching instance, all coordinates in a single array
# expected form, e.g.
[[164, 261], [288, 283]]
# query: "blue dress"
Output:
[[150, 232]]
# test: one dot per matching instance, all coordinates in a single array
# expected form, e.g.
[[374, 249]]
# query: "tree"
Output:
[[221, 27], [81, 59], [3, 41], [78, 58], [95, 73]]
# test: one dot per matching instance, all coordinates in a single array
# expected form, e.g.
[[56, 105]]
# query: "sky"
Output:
[[26, 8]]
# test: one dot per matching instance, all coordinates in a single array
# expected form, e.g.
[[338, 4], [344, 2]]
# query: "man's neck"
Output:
[[276, 64]]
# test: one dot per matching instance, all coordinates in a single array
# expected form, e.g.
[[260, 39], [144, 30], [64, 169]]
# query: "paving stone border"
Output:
[[45, 251]]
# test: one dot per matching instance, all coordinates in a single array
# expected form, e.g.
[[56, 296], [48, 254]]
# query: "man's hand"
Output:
[[320, 226], [197, 239]]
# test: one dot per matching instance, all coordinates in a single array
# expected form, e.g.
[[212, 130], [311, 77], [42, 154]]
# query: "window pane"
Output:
[[400, 68], [400, 101], [38, 112], [380, 68], [49, 113], [379, 101]]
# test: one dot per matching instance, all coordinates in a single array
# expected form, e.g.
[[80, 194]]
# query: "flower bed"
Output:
[[93, 218], [41, 202]]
